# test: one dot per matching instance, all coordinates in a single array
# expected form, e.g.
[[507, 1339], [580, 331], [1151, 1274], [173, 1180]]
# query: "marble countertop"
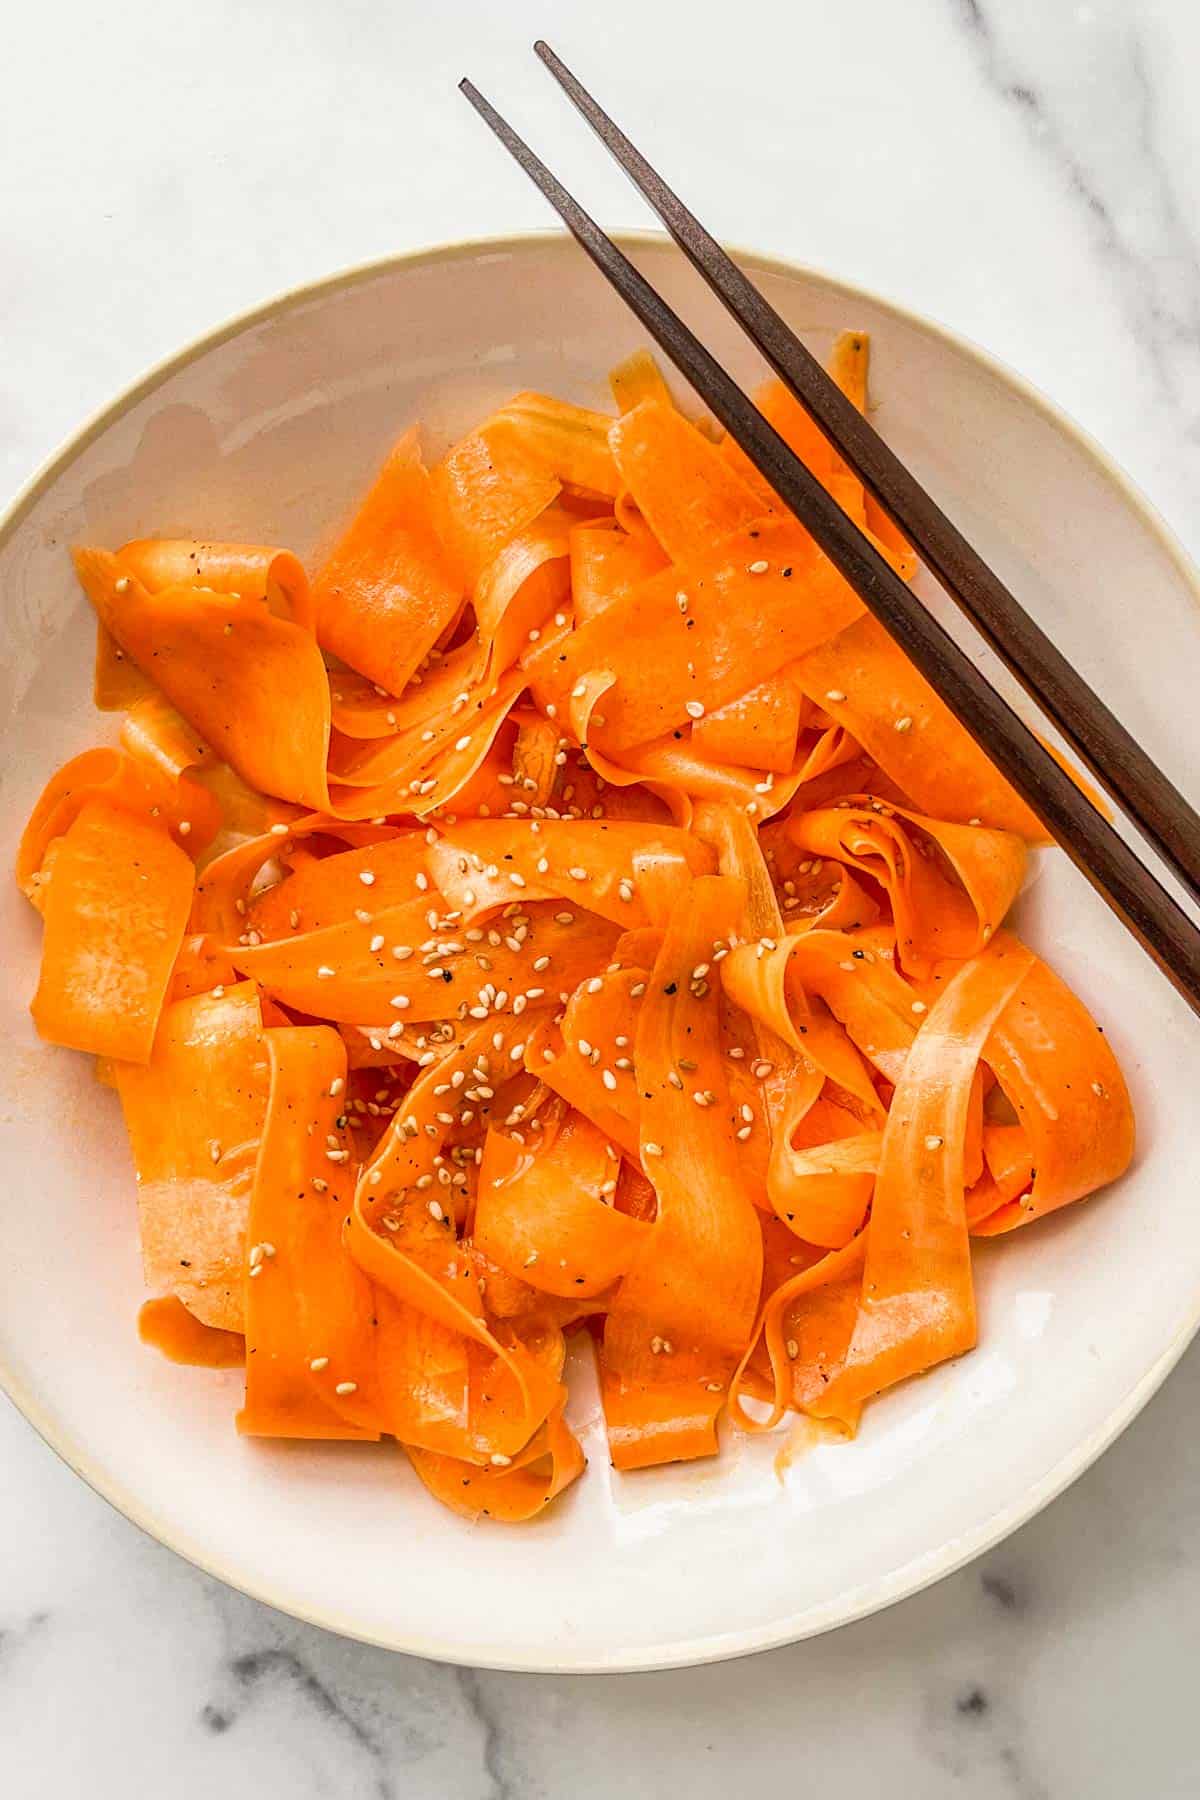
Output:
[[1024, 169]]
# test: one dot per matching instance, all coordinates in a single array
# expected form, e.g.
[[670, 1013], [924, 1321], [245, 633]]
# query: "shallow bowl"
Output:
[[266, 430]]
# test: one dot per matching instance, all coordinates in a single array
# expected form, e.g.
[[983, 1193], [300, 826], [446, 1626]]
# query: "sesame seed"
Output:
[[293, 918], [366, 877], [325, 973], [933, 1142], [435, 1210], [401, 1002], [563, 918], [377, 941], [793, 1349], [576, 874], [336, 1086], [1099, 1091], [704, 1097], [402, 952], [919, 1006], [214, 1150], [835, 694], [499, 1461], [743, 1132], [346, 1387], [904, 724], [761, 1069], [758, 568], [652, 1149], [609, 1080], [422, 880], [184, 827], [121, 583], [318, 1363], [694, 709], [337, 1156]]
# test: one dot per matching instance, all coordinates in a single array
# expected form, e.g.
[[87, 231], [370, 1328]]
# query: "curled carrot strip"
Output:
[[114, 907]]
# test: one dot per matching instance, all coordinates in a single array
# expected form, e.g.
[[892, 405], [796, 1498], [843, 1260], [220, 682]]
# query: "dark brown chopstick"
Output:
[[1100, 854], [1116, 759]]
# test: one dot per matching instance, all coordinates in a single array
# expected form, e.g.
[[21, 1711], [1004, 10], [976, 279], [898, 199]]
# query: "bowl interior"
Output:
[[267, 432]]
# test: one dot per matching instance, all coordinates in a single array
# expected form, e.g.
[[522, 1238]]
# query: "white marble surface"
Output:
[[1024, 169]]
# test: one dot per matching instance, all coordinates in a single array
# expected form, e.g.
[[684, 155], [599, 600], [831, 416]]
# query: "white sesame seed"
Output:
[[933, 1142], [325, 973], [652, 1149], [318, 1363], [336, 1086], [121, 584], [499, 1461], [919, 1006], [609, 1080], [366, 877], [758, 568], [904, 724], [214, 1150], [835, 694], [346, 1387], [184, 827], [576, 874], [694, 709], [517, 879], [761, 1069], [401, 1002]]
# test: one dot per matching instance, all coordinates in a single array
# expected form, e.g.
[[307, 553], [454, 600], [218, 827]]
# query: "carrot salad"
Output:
[[565, 911]]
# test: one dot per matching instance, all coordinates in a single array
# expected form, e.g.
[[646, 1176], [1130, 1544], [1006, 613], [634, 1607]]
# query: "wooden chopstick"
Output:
[[1096, 849], [1117, 760]]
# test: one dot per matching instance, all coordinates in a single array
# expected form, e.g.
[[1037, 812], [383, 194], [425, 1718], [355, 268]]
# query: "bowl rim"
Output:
[[900, 1583]]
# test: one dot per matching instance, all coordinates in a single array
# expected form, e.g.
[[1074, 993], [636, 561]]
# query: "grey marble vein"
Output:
[[475, 1692], [1097, 124], [14, 1637], [245, 1675]]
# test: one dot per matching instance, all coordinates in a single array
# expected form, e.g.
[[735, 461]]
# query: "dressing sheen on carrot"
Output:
[[567, 920]]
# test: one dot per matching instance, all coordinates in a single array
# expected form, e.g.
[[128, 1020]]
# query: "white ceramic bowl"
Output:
[[265, 431]]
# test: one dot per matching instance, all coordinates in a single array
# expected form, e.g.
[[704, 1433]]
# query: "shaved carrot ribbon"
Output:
[[570, 910]]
